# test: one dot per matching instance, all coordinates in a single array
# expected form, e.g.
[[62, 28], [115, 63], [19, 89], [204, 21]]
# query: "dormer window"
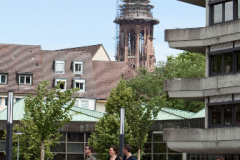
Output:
[[78, 67], [80, 83], [24, 78], [63, 85], [59, 66], [3, 78]]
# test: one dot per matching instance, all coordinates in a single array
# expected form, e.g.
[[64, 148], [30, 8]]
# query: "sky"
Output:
[[58, 24]]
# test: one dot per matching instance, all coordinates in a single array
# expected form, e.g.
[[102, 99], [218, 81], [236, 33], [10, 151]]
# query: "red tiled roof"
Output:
[[100, 76], [49, 74], [85, 49], [108, 74], [20, 58]]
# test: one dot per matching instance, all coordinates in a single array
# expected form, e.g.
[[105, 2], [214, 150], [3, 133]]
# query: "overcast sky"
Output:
[[57, 24]]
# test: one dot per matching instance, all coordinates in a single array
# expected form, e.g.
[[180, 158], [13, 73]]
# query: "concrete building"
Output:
[[136, 34], [220, 89], [89, 68]]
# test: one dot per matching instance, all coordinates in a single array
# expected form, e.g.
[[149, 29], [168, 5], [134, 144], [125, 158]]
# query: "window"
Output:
[[238, 8], [85, 104], [3, 79], [59, 66], [227, 117], [76, 103], [6, 101], [238, 61], [216, 116], [237, 114], [217, 64], [217, 13], [222, 63], [78, 67], [80, 83], [62, 82], [223, 12], [229, 11], [224, 115], [25, 79]]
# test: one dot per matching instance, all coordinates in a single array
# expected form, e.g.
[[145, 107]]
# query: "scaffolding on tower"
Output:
[[117, 28]]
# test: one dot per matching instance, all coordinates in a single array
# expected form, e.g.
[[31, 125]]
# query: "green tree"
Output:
[[142, 97], [45, 113], [139, 115], [107, 128], [147, 96], [184, 65], [107, 134], [30, 142]]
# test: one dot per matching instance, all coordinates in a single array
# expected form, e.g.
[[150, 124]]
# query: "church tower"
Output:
[[135, 43]]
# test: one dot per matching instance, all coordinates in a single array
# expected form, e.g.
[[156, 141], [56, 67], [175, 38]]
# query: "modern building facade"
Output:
[[88, 68], [136, 34], [220, 42]]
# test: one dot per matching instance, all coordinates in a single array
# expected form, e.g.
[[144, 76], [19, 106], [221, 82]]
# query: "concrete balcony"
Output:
[[204, 141], [196, 39], [199, 89], [201, 3]]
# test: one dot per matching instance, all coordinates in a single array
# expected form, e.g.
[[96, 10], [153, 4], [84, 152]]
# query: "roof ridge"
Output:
[[89, 109], [94, 112], [186, 116], [179, 110], [172, 113], [79, 47], [20, 44], [198, 112]]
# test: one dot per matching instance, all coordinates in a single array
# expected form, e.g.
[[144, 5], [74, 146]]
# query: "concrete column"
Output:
[[184, 156], [207, 63], [207, 13], [206, 113]]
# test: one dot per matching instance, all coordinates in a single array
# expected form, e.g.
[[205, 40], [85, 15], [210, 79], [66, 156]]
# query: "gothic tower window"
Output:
[[141, 45], [131, 44]]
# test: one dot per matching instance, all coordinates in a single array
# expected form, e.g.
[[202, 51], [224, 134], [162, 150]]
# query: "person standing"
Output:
[[127, 152], [113, 152], [88, 152]]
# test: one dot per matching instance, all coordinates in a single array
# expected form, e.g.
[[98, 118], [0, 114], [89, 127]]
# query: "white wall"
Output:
[[3, 100], [91, 103], [101, 55], [100, 107]]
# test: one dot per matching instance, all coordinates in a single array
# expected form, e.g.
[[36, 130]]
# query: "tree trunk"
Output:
[[42, 150], [139, 154]]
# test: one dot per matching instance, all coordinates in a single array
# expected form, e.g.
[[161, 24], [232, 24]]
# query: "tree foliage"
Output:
[[45, 113], [139, 115], [142, 97], [107, 134], [185, 65]]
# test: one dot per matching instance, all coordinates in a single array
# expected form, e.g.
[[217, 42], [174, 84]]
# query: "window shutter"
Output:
[[59, 67], [85, 104]]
